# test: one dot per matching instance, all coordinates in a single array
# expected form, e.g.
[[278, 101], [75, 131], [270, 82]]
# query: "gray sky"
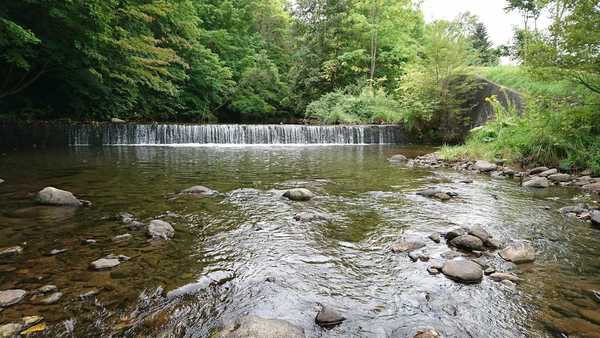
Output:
[[491, 12]]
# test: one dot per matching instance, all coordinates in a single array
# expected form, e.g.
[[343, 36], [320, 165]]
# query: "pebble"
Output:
[[11, 297]]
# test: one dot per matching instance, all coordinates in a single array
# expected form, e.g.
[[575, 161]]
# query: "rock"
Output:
[[435, 237], [574, 209], [55, 252], [520, 252], [499, 175], [53, 196], [11, 251], [257, 327], [559, 177], [536, 170], [1, 181], [47, 300], [47, 289], [158, 229], [480, 233], [328, 318], [548, 172], [396, 159], [467, 242], [493, 243], [306, 216], [464, 271], [482, 262], [484, 166], [418, 256], [198, 191], [433, 270], [442, 196], [117, 120], [11, 297], [299, 194], [595, 217], [407, 246], [455, 233], [428, 192], [10, 330], [428, 334], [537, 182], [105, 263], [489, 270], [500, 276], [126, 217], [122, 238], [29, 321], [88, 241], [466, 181]]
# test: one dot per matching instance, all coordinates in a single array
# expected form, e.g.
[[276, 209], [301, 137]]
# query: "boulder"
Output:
[[328, 318], [480, 233], [456, 232], [407, 246], [117, 120], [560, 178], [11, 297], [537, 182], [53, 196], [398, 159], [464, 271], [484, 166], [520, 252], [11, 251], [536, 170], [548, 172], [198, 191], [158, 230], [299, 194], [595, 216], [257, 327], [442, 196], [467, 242], [492, 243]]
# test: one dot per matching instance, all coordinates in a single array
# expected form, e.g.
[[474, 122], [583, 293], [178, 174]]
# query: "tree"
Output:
[[488, 56]]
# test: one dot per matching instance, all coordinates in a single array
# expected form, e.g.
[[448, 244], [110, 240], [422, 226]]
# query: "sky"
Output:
[[491, 12]]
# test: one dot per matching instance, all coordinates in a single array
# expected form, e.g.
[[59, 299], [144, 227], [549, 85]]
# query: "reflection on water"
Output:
[[243, 252]]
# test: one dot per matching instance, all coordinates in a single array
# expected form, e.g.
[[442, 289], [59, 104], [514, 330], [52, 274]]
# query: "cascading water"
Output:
[[180, 134]]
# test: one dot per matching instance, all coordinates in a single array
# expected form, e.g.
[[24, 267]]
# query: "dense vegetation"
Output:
[[340, 61], [560, 80]]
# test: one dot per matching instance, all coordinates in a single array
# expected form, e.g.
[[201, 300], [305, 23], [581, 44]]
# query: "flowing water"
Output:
[[241, 252]]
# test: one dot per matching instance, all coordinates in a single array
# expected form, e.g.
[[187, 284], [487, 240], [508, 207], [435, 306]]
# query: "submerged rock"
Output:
[[47, 289], [450, 235], [407, 246], [257, 327], [480, 233], [501, 276], [11, 297], [492, 243], [55, 252], [328, 318], [198, 191], [484, 166], [595, 217], [158, 229], [117, 120], [122, 238], [11, 251], [309, 216], [299, 194], [436, 237], [108, 262], [53, 196], [10, 330], [464, 271], [126, 217], [520, 252], [396, 159], [47, 300], [537, 182], [1, 181], [467, 242]]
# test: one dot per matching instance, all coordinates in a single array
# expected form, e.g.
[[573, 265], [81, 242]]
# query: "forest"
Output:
[[321, 61]]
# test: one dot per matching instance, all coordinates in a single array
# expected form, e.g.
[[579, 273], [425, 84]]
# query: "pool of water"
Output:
[[242, 252]]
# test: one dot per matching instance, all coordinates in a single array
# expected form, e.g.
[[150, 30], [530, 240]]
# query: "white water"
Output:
[[209, 135]]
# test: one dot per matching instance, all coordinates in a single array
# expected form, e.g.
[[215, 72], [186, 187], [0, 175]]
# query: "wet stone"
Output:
[[595, 218], [484, 166], [53, 196], [126, 217], [537, 182], [198, 191], [160, 230], [105, 263], [29, 321], [299, 194], [47, 300], [427, 334], [47, 289], [488, 271], [11, 251], [518, 253], [433, 271], [11, 297], [548, 172], [122, 238], [88, 241], [55, 252], [435, 237], [480, 233], [464, 271], [407, 246], [328, 318], [418, 256], [501, 276], [455, 233], [396, 159], [467, 242], [493, 243], [10, 330], [536, 170], [482, 262], [254, 327], [89, 294]]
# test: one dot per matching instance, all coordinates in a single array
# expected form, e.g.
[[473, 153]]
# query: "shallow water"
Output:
[[242, 252]]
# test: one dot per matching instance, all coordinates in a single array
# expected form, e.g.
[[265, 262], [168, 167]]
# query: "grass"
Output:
[[560, 126]]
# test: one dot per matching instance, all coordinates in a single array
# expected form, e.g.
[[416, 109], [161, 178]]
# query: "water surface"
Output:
[[242, 252]]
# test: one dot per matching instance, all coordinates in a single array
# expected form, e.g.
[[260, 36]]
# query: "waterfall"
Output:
[[182, 134]]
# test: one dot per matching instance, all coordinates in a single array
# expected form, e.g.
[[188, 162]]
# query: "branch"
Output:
[[24, 83]]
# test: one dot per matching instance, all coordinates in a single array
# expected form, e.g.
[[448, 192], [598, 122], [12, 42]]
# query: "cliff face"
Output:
[[482, 111]]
